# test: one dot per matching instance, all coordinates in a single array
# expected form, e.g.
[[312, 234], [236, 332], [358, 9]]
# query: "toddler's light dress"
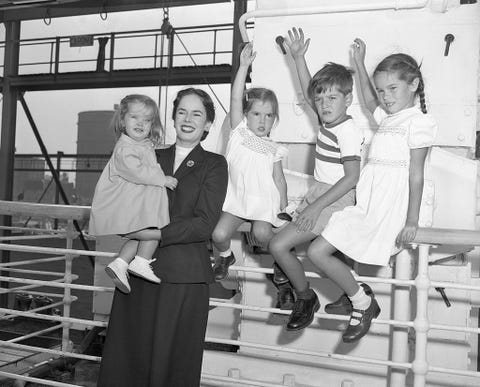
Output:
[[367, 231], [130, 193]]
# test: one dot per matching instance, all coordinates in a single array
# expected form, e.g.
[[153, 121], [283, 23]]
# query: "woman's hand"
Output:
[[407, 234], [359, 50], [171, 182], [296, 43], [247, 55], [306, 220]]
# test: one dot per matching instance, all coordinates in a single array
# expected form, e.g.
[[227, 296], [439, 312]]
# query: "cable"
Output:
[[200, 71]]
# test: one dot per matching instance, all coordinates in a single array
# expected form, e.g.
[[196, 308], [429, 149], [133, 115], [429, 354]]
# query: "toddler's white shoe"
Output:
[[117, 271], [141, 268]]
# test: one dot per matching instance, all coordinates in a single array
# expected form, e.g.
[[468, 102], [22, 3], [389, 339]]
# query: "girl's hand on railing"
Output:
[[407, 234]]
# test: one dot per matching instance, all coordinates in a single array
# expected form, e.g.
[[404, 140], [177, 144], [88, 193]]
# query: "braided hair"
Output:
[[407, 69]]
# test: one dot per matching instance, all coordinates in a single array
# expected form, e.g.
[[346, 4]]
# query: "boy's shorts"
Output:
[[317, 190]]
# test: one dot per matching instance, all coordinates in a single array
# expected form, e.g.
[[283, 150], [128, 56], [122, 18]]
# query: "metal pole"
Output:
[[240, 7], [401, 311], [57, 190], [421, 323], [7, 140], [52, 168], [67, 295]]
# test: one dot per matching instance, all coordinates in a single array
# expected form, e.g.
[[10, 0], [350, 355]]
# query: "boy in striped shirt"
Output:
[[337, 169]]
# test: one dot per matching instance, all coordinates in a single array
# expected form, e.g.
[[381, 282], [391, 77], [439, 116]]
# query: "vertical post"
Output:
[[171, 38], [7, 139], [112, 51], [57, 54], [401, 312], [57, 189], [67, 297], [240, 7], [214, 45], [421, 324], [155, 53]]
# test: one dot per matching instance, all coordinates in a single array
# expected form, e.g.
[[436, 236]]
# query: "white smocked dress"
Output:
[[251, 192], [367, 231]]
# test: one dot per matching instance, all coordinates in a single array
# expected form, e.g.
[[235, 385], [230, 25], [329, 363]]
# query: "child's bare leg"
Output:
[[307, 302], [281, 247], [320, 253], [262, 231], [224, 230], [128, 250], [148, 234], [146, 249], [221, 236], [365, 307]]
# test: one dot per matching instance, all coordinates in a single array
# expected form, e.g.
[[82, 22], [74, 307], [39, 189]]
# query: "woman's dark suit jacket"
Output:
[[156, 333]]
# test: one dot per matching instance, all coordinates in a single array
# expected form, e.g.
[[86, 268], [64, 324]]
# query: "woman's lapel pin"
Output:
[[190, 163]]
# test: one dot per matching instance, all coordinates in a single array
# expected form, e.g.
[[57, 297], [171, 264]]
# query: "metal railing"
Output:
[[425, 239], [206, 45]]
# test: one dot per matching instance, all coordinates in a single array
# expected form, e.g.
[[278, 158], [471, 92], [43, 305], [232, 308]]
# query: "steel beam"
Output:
[[7, 138], [188, 75], [88, 7]]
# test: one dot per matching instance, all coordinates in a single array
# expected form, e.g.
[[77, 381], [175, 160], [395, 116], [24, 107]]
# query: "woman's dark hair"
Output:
[[204, 97], [407, 69]]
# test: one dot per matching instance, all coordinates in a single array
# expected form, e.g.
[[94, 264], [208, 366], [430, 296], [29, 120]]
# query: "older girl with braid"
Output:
[[390, 187]]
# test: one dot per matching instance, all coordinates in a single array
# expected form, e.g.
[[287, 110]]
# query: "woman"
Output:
[[156, 333]]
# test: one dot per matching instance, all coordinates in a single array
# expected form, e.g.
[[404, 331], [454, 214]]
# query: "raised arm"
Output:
[[416, 175], [236, 109], [298, 46], [280, 183], [366, 88]]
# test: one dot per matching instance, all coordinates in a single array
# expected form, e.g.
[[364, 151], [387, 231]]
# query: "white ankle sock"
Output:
[[142, 260], [225, 253], [120, 261], [360, 301]]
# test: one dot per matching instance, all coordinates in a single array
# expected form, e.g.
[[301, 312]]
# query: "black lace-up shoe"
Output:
[[279, 276], [220, 268], [285, 297], [354, 333], [303, 313], [343, 305]]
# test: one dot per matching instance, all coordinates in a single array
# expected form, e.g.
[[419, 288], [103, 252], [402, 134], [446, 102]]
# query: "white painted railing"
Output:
[[420, 367]]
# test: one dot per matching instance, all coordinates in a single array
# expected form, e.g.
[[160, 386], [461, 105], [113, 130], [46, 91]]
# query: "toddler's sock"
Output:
[[225, 253]]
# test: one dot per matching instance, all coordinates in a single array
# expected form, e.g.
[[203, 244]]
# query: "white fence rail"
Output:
[[424, 240]]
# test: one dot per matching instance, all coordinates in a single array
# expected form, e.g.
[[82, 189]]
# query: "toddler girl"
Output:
[[257, 189], [130, 196], [390, 187]]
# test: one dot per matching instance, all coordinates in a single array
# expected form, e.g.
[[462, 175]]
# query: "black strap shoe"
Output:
[[343, 305], [220, 268], [279, 276], [284, 216], [303, 313], [353, 333]]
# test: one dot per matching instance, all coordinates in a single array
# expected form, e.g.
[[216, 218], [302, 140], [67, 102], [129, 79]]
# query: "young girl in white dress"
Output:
[[390, 187], [130, 196], [257, 190]]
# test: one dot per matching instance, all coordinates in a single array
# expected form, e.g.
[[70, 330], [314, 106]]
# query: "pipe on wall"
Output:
[[440, 5]]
